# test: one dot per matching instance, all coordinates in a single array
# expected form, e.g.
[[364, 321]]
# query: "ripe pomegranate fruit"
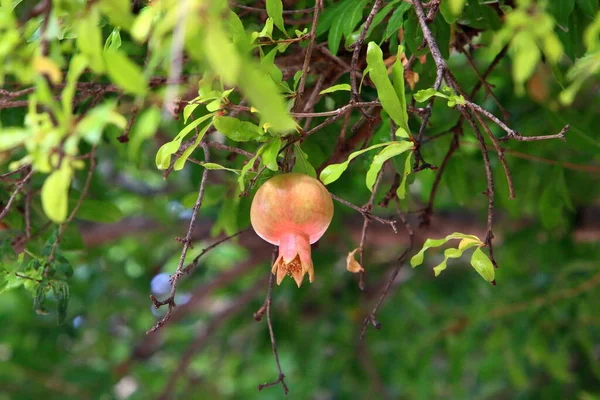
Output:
[[292, 211]]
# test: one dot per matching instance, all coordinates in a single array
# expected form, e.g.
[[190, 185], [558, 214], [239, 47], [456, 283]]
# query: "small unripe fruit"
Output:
[[292, 211]]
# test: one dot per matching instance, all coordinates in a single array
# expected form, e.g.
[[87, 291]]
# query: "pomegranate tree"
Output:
[[292, 211]]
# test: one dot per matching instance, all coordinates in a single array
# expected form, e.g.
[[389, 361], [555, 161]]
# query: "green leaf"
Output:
[[425, 94], [275, 11], [332, 172], [118, 11], [163, 156], [188, 110], [398, 83], [76, 68], [124, 73], [414, 35], [302, 164], [417, 259], [401, 191], [145, 127], [380, 17], [238, 131], [113, 42], [388, 152], [452, 9], [93, 123], [336, 88], [99, 211], [270, 152], [55, 196], [526, 57], [561, 10], [344, 22], [13, 137], [246, 168], [187, 152], [396, 20], [483, 265], [263, 94], [39, 299], [142, 24], [385, 91], [589, 7], [221, 53], [455, 253], [62, 294], [89, 41], [214, 166]]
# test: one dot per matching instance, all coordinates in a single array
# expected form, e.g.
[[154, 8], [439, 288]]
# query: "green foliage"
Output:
[[139, 86]]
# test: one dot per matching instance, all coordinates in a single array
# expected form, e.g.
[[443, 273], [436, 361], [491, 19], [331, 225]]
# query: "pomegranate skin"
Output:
[[292, 211]]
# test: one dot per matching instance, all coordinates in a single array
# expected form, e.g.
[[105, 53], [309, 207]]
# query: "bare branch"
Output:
[[187, 242], [370, 319], [281, 377]]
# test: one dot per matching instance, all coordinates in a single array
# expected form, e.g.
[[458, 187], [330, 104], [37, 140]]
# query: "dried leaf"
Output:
[[351, 264]]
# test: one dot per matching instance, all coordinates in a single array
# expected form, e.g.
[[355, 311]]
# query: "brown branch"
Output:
[[217, 145], [124, 137], [307, 56], [268, 300], [371, 319], [256, 9], [512, 134], [187, 242], [490, 183], [356, 52], [14, 194], [500, 151], [366, 221], [365, 213]]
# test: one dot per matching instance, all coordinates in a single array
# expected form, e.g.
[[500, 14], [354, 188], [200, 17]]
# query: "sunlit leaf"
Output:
[[275, 11], [332, 172], [388, 152], [483, 265], [125, 73], [336, 88], [55, 193], [385, 90]]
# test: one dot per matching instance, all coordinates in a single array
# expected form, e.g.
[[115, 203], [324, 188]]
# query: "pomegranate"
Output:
[[292, 211]]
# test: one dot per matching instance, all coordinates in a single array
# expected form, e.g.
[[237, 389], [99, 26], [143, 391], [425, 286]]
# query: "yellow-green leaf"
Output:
[[125, 73], [483, 265], [388, 152], [55, 193]]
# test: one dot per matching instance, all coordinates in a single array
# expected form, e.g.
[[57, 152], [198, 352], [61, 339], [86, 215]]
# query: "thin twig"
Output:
[[500, 151], [512, 134], [281, 377], [366, 221], [365, 213], [14, 194], [217, 145], [357, 47], [371, 319], [124, 137], [307, 56], [187, 242], [490, 182]]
